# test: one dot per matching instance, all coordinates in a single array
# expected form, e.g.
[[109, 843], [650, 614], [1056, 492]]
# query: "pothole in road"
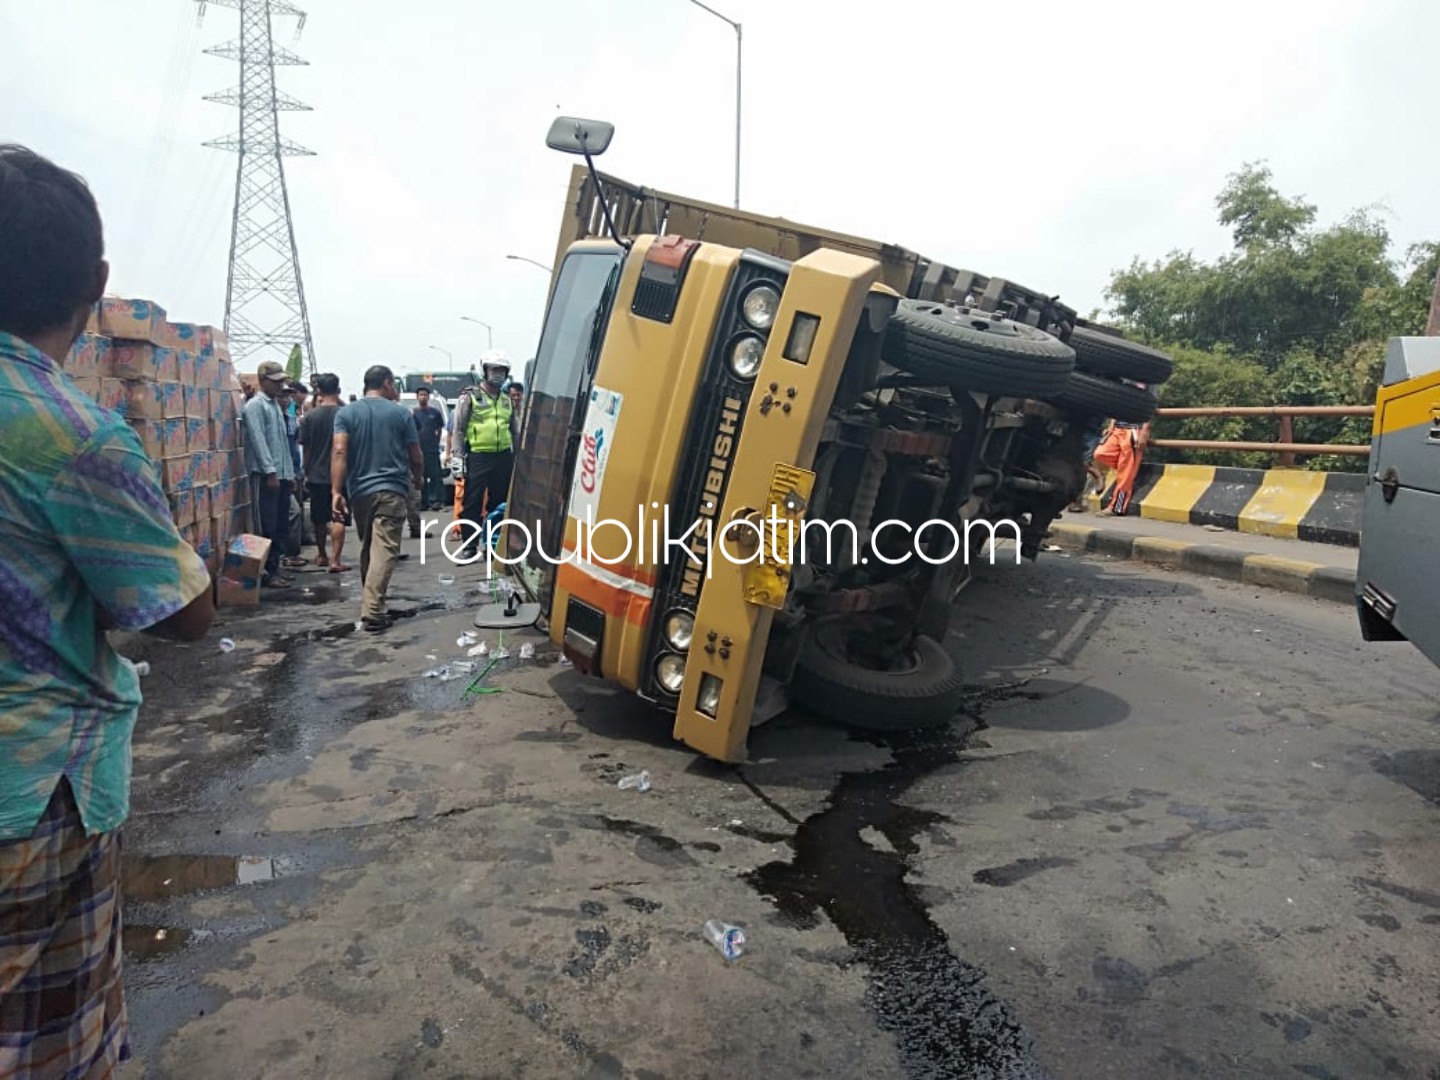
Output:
[[946, 1021]]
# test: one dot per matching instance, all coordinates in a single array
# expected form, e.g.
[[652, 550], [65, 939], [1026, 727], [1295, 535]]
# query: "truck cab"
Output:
[[1397, 599], [759, 458]]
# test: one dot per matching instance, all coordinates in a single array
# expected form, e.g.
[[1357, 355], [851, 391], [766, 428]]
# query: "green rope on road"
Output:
[[476, 688]]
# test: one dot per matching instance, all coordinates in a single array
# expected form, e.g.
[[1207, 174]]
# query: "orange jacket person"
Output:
[[1122, 450]]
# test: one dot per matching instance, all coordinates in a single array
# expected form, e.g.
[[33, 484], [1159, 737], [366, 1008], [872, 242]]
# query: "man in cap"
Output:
[[485, 432], [271, 465]]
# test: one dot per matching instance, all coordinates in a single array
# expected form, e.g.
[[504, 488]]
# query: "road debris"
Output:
[[730, 940]]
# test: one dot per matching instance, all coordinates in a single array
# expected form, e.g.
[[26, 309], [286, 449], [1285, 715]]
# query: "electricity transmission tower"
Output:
[[265, 310]]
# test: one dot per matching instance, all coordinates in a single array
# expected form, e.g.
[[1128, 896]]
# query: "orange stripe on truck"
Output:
[[634, 573], [613, 601]]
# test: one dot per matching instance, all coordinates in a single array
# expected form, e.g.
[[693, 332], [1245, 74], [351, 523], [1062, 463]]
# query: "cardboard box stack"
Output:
[[176, 386]]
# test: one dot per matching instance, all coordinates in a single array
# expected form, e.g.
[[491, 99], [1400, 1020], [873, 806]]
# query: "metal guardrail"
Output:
[[1284, 445]]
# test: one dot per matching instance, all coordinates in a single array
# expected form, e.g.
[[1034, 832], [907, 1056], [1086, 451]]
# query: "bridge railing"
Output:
[[1284, 445]]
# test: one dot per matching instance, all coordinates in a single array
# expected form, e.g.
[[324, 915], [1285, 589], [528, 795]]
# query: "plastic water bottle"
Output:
[[527, 651], [639, 781], [730, 940]]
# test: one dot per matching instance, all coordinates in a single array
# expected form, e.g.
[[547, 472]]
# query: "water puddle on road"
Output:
[[144, 943], [159, 877], [945, 1020]]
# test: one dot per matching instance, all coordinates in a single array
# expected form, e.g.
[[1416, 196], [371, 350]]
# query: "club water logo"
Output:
[[594, 446]]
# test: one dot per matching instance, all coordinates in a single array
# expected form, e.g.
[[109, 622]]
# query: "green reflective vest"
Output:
[[488, 429]]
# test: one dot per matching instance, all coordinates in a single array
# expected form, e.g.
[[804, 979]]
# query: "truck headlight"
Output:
[[679, 630], [745, 356], [708, 700], [759, 307], [670, 672]]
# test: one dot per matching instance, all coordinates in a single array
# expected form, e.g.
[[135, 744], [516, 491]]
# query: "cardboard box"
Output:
[[87, 385], [198, 434], [83, 361], [223, 435], [240, 486], [129, 360], [150, 437], [182, 507], [209, 339], [110, 394], [223, 406], [242, 569], [172, 400], [178, 473], [197, 403], [132, 398], [179, 335], [185, 365], [167, 364], [132, 320], [174, 438], [201, 493], [222, 498]]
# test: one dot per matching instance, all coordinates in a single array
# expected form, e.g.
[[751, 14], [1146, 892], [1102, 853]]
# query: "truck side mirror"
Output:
[[570, 135]]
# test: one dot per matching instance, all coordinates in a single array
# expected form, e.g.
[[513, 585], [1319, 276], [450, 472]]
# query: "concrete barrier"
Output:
[[1289, 503], [1271, 571]]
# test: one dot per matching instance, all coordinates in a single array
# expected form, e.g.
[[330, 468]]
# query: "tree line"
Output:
[[1293, 314]]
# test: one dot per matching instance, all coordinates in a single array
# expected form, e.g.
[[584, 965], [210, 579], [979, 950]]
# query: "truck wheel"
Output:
[[925, 692], [976, 350], [1104, 354], [1094, 396]]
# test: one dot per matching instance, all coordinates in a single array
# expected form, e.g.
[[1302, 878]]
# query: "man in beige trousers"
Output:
[[375, 463]]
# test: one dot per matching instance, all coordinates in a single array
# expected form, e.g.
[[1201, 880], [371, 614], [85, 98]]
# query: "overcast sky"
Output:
[[1048, 142]]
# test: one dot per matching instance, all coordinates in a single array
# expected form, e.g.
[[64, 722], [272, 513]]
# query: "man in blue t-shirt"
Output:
[[376, 456]]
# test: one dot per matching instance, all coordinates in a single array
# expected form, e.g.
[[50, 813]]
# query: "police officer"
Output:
[[485, 430]]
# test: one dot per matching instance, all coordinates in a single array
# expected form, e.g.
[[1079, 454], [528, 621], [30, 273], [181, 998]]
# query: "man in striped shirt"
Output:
[[86, 544]]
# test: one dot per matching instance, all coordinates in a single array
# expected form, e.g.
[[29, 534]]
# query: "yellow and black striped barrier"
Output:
[[1289, 503]]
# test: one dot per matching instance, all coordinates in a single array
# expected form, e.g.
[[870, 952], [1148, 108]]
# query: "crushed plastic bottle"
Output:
[[730, 940], [445, 579], [479, 650], [466, 639], [501, 652], [226, 645], [527, 651], [463, 665], [639, 781], [142, 668], [441, 673]]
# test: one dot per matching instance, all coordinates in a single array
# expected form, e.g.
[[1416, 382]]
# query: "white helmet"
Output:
[[495, 358]]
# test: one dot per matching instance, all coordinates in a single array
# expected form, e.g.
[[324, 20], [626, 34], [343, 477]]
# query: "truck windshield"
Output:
[[447, 384], [539, 489]]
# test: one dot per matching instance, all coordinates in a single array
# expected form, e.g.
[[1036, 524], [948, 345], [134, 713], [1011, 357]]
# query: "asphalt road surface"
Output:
[[1184, 829]]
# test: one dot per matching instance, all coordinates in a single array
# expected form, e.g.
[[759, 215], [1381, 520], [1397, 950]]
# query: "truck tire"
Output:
[[831, 685], [1094, 396], [975, 350], [1104, 354]]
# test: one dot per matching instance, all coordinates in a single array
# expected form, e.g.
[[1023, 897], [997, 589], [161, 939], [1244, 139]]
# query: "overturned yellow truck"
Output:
[[758, 459]]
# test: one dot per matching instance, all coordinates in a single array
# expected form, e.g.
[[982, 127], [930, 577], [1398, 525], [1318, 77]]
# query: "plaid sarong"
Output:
[[62, 1006]]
